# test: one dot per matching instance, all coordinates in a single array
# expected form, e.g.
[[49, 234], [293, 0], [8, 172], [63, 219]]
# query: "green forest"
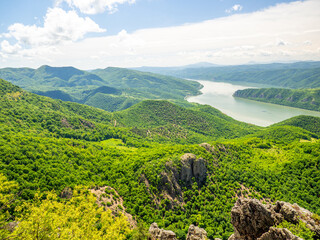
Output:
[[299, 98], [111, 89], [54, 155]]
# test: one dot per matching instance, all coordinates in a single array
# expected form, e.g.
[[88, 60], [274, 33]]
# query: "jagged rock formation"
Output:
[[193, 167], [253, 220], [250, 219], [196, 233], [173, 179], [157, 233], [279, 234]]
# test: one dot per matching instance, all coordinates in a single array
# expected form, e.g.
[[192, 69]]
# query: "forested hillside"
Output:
[[299, 98], [116, 89], [55, 154], [290, 75]]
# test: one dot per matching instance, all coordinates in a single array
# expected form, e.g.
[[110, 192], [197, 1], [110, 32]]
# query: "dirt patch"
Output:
[[108, 198]]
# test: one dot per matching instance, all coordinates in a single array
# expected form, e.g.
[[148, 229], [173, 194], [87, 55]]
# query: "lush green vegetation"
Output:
[[299, 98], [290, 75], [48, 145], [111, 89], [308, 123]]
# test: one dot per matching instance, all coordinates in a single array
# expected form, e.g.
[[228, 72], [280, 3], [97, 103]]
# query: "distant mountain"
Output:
[[288, 75], [110, 89], [164, 70]]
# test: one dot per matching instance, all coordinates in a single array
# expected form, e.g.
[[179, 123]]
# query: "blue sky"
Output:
[[131, 33]]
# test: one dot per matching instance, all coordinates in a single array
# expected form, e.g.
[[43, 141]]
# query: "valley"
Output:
[[169, 164]]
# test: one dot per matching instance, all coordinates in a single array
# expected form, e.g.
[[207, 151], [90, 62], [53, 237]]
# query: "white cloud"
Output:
[[235, 8], [7, 48], [96, 6], [307, 42], [277, 33], [59, 27]]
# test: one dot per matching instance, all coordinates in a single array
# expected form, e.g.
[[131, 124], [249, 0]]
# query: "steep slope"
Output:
[[299, 98]]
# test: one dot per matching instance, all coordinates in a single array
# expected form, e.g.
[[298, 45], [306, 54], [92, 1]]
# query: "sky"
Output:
[[90, 34]]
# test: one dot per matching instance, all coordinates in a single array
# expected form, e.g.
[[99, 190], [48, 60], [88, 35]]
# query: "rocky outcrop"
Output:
[[250, 219], [196, 233], [294, 213], [279, 234], [191, 167], [253, 220], [173, 178], [160, 234], [287, 211]]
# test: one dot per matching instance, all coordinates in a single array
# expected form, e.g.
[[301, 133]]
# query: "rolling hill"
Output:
[[116, 89]]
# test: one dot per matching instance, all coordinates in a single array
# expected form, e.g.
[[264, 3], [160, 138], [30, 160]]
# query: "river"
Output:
[[219, 95]]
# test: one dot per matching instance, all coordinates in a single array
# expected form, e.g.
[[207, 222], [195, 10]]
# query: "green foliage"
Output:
[[299, 98], [47, 145], [77, 218], [140, 232], [299, 229], [7, 198], [309, 123]]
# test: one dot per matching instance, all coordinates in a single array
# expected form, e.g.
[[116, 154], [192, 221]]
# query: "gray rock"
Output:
[[279, 234], [187, 167], [191, 167], [160, 234], [196, 233], [287, 211], [200, 170], [250, 219]]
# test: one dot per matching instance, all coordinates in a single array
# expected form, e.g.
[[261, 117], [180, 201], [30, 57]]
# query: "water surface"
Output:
[[219, 95]]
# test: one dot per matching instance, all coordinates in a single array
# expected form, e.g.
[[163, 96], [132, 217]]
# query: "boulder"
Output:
[[196, 233], [250, 219], [160, 234], [279, 234]]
